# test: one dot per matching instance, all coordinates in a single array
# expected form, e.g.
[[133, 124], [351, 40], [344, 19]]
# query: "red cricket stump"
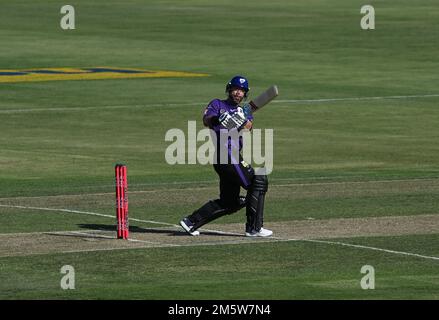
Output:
[[122, 201]]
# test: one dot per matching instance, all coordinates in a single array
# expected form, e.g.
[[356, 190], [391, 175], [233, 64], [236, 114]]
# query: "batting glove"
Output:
[[232, 121]]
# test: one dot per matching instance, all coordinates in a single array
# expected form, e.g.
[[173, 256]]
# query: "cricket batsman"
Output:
[[227, 115]]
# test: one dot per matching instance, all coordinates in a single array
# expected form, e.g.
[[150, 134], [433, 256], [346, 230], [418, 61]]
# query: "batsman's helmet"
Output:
[[238, 82]]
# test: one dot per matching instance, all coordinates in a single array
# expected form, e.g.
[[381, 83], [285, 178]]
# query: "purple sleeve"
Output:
[[211, 113]]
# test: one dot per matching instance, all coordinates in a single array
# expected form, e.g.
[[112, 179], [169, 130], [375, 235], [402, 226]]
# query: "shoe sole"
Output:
[[187, 229]]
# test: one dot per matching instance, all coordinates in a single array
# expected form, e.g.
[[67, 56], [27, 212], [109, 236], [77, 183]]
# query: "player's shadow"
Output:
[[136, 229]]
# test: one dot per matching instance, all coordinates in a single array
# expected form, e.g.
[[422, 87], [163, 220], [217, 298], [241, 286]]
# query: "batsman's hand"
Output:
[[232, 121]]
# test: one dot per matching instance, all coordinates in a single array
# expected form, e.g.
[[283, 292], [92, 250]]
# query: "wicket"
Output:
[[122, 201]]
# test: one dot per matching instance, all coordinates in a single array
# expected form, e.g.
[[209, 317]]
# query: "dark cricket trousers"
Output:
[[232, 178]]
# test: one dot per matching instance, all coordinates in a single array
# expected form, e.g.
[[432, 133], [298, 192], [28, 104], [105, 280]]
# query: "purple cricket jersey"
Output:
[[216, 107], [213, 110]]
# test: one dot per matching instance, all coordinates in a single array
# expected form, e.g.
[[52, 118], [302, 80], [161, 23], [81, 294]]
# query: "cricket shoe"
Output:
[[261, 233], [187, 225]]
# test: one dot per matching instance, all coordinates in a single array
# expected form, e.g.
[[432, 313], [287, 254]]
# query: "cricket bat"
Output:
[[263, 99]]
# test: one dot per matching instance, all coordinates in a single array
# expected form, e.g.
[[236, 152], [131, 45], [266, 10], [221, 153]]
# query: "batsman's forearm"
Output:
[[210, 121]]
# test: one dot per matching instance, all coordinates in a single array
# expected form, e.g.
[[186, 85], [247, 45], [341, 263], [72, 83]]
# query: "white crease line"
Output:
[[112, 217], [81, 233], [83, 212], [226, 233], [232, 233], [204, 103], [368, 247], [91, 235], [245, 241], [279, 239], [109, 216], [168, 245]]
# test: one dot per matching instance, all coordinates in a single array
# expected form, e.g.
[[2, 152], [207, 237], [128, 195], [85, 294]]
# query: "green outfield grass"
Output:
[[294, 270], [335, 156]]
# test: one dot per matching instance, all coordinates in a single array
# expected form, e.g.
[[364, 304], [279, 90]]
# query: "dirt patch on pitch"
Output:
[[21, 244]]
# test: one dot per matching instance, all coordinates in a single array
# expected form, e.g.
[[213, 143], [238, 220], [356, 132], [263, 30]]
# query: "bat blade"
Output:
[[264, 98]]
